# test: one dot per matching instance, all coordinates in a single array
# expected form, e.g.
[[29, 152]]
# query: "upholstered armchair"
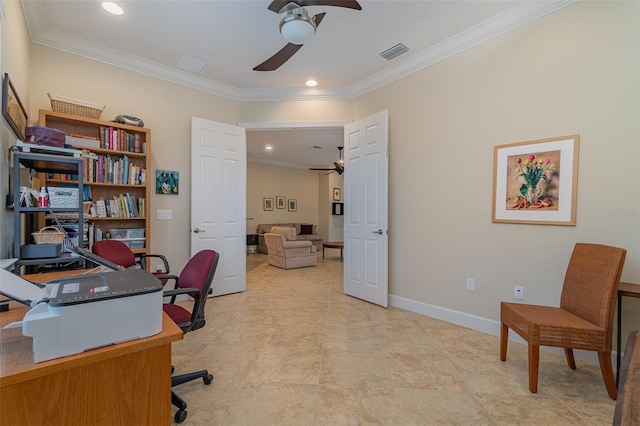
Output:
[[287, 253]]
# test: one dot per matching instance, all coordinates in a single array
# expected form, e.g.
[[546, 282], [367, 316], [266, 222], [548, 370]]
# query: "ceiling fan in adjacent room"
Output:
[[297, 27], [339, 165]]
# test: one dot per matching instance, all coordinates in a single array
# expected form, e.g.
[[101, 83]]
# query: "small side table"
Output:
[[334, 245], [629, 290], [252, 243]]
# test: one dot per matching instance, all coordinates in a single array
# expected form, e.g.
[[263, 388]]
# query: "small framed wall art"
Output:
[[167, 182], [280, 202], [336, 194], [267, 204], [293, 205]]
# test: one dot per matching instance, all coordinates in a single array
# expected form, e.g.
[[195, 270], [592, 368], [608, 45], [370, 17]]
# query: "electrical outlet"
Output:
[[518, 292], [160, 268], [471, 284]]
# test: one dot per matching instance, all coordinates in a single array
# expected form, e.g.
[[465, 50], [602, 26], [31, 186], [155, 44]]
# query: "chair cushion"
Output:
[[177, 313]]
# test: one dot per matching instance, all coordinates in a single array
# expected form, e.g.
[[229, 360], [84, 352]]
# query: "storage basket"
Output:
[[63, 197], [48, 235], [75, 107]]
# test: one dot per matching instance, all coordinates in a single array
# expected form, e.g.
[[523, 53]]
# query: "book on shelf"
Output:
[[120, 140]]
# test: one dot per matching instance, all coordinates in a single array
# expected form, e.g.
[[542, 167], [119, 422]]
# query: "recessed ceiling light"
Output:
[[268, 147], [112, 8], [311, 83]]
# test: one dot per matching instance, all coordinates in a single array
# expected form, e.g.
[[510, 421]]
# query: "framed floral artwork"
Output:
[[280, 203], [336, 194], [535, 182], [293, 205]]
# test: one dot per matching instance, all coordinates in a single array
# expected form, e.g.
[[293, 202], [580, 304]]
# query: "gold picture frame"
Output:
[[12, 108], [536, 182]]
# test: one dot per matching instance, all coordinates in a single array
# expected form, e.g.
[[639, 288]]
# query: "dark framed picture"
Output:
[[280, 203], [12, 108], [267, 203], [167, 182], [293, 205], [336, 194]]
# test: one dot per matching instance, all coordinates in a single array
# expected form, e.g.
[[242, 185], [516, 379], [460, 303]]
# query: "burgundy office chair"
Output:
[[195, 280], [119, 253]]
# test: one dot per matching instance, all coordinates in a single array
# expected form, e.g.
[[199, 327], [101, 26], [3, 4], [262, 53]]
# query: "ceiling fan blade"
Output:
[[318, 18], [277, 6], [349, 4], [282, 56], [322, 170]]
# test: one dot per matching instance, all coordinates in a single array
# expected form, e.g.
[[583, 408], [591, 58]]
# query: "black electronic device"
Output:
[[128, 119]]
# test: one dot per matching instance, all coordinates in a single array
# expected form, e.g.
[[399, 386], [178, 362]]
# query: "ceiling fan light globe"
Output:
[[297, 27]]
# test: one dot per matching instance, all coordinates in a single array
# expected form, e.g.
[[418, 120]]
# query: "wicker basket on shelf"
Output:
[[75, 107], [48, 235]]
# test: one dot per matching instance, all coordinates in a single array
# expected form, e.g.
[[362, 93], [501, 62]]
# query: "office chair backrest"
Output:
[[115, 251], [591, 283], [198, 273]]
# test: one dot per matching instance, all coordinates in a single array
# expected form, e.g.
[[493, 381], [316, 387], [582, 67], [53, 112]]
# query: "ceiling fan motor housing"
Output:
[[297, 27]]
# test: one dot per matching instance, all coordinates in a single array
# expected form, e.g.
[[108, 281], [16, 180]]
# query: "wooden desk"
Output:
[[627, 410], [629, 290], [124, 384]]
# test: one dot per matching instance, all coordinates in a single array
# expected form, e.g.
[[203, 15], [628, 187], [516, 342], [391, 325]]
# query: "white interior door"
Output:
[[218, 199], [366, 198]]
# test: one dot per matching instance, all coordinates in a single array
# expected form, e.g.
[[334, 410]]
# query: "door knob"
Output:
[[379, 232], [197, 231]]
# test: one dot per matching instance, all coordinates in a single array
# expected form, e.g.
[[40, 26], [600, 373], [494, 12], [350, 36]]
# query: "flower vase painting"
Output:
[[536, 182], [532, 181]]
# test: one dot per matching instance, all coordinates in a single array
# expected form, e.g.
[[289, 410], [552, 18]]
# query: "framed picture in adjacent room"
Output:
[[293, 205], [267, 204], [280, 202], [336, 194]]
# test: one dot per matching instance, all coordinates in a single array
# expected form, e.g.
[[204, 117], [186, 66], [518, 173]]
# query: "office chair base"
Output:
[[181, 414]]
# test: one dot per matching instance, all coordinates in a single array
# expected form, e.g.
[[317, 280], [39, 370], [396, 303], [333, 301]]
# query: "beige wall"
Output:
[[165, 108], [15, 46], [575, 71], [271, 181]]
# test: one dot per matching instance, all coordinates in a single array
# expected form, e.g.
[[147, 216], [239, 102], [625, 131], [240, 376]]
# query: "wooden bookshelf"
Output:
[[125, 180]]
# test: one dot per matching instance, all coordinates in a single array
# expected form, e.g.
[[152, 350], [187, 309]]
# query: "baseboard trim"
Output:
[[481, 324]]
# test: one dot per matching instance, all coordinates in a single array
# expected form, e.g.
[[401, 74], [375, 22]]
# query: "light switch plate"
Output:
[[163, 214]]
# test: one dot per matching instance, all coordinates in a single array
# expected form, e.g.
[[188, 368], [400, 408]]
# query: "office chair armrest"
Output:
[[143, 257], [191, 292], [165, 278]]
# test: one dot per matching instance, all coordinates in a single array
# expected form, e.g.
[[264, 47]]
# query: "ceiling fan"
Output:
[[297, 27], [339, 165]]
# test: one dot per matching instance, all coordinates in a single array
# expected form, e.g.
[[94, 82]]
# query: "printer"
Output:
[[78, 313]]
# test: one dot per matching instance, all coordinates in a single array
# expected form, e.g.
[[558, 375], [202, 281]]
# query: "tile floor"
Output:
[[294, 350]]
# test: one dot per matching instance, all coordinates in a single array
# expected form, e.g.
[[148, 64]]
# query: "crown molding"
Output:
[[514, 17]]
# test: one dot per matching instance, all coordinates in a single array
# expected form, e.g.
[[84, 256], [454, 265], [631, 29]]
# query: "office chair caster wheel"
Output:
[[208, 379], [181, 416]]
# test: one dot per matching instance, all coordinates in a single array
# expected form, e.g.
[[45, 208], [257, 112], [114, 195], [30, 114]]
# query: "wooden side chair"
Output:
[[584, 319]]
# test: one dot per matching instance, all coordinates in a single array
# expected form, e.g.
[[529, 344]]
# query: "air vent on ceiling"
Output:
[[394, 51], [191, 63]]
